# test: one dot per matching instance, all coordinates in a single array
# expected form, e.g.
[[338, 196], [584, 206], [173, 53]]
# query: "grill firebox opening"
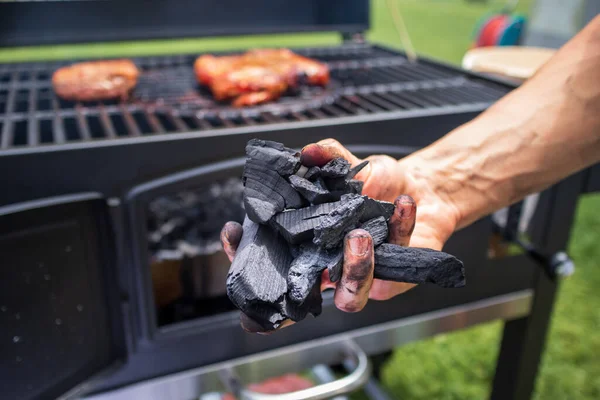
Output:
[[187, 265]]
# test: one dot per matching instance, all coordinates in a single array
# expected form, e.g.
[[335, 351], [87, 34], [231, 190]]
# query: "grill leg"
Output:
[[522, 346], [524, 339]]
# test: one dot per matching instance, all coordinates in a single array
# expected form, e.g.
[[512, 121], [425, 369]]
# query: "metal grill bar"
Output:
[[365, 80]]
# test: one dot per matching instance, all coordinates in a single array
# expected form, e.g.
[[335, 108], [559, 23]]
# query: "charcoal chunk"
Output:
[[297, 226], [275, 156], [378, 229], [311, 192], [332, 228], [418, 265], [257, 279], [336, 184], [336, 168], [352, 173], [266, 193], [376, 208], [336, 264], [306, 269], [312, 173], [355, 186]]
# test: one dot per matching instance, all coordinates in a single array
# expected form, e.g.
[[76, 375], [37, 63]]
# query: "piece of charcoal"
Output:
[[266, 194], [418, 265], [377, 228], [336, 265], [332, 228], [376, 208], [353, 171], [311, 192], [297, 226], [355, 186], [306, 269], [274, 155], [312, 173], [257, 278], [336, 184], [336, 168]]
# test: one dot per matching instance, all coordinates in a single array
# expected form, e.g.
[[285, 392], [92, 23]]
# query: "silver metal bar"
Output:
[[322, 373], [372, 388], [372, 340], [347, 384]]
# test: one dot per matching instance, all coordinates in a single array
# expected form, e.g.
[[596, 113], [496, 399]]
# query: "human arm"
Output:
[[541, 132]]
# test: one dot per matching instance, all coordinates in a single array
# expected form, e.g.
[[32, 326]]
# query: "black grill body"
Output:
[[100, 165]]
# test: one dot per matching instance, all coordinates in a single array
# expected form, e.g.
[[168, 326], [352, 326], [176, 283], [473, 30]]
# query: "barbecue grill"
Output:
[[112, 282]]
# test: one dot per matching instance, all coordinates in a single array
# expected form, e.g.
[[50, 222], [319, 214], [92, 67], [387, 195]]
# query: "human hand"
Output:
[[384, 179]]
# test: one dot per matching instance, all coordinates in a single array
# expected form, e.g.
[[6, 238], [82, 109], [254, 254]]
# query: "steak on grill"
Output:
[[257, 76], [95, 80]]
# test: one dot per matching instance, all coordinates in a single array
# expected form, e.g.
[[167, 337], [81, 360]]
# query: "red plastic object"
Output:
[[492, 31]]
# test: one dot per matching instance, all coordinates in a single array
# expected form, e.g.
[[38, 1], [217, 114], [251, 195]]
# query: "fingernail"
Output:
[[405, 206], [359, 245]]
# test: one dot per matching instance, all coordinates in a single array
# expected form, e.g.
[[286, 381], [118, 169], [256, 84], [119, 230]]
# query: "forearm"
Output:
[[546, 130]]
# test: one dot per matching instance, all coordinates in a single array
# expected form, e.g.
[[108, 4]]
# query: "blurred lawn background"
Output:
[[460, 365]]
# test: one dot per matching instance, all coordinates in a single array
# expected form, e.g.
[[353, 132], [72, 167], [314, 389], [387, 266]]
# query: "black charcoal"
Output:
[[297, 226], [257, 279], [376, 208], [336, 168], [336, 265], [332, 228], [274, 155], [266, 193], [355, 186], [311, 192], [306, 270], [352, 173], [418, 265], [312, 173], [336, 184], [377, 228], [296, 221]]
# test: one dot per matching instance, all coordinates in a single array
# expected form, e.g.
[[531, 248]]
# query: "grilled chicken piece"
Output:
[[95, 80], [257, 76]]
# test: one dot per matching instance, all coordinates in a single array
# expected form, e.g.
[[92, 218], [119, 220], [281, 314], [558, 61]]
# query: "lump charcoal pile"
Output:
[[296, 221], [189, 223]]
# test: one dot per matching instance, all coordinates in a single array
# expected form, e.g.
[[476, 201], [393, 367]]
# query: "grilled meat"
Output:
[[95, 80], [257, 76]]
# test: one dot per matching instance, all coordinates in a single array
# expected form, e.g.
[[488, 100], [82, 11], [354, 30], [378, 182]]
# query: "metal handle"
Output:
[[355, 380]]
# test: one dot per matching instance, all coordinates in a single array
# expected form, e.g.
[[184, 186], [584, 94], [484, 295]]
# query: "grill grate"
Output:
[[365, 80]]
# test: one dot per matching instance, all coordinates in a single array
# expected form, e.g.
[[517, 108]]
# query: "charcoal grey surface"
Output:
[[336, 265], [189, 222], [355, 170], [332, 228], [312, 173], [377, 228], [274, 155], [257, 279], [266, 193], [311, 192], [376, 208], [418, 265], [297, 226], [355, 186], [306, 270], [336, 168]]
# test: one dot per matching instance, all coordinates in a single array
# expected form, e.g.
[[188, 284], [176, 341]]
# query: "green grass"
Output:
[[461, 365], [458, 365], [438, 28]]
